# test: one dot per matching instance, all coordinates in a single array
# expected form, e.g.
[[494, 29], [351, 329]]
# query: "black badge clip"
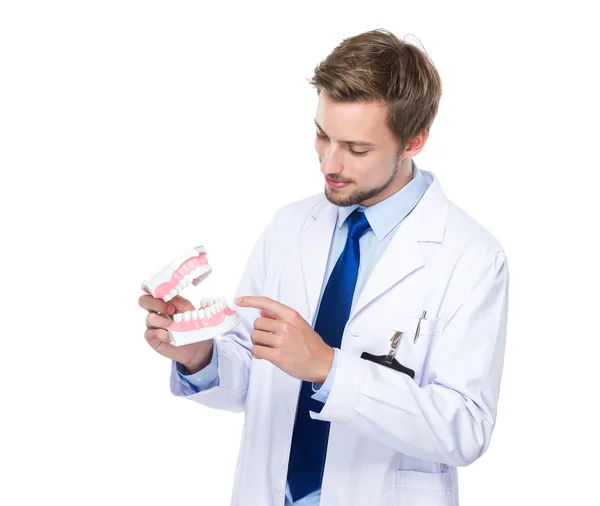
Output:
[[389, 360]]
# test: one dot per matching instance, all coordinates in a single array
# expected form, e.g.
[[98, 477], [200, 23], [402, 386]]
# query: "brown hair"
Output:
[[378, 66]]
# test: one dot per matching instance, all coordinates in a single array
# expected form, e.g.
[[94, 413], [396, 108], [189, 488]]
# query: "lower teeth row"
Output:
[[197, 314]]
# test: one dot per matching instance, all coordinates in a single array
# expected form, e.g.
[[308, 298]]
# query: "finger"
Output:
[[280, 310], [263, 352], [268, 325], [158, 305], [154, 335], [268, 314], [156, 321], [264, 338], [182, 305]]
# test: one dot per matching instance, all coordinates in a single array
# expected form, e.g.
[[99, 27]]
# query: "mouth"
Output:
[[214, 316], [334, 184]]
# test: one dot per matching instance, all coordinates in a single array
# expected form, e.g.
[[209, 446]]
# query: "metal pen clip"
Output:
[[395, 339], [419, 326]]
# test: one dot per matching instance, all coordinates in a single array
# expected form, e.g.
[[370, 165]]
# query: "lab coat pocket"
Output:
[[415, 341], [412, 346], [419, 488]]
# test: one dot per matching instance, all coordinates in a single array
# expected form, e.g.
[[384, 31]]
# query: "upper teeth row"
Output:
[[186, 280], [214, 308]]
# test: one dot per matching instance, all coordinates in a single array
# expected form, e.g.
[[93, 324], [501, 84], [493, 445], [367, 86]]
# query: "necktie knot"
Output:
[[357, 224]]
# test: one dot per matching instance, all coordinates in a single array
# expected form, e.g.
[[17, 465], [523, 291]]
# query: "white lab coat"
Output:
[[393, 440]]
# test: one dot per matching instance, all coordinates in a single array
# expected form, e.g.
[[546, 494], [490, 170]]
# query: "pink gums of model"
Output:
[[186, 267]]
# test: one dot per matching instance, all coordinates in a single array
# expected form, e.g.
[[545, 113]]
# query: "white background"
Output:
[[130, 131]]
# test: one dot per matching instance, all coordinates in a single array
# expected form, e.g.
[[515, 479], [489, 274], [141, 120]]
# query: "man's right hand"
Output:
[[193, 356]]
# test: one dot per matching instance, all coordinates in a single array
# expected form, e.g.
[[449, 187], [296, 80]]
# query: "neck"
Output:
[[404, 175]]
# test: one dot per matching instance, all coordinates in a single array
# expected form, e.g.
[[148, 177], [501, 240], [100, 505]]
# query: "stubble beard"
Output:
[[358, 196]]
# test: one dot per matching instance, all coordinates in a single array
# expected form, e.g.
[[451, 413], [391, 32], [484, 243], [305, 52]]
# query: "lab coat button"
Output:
[[279, 485]]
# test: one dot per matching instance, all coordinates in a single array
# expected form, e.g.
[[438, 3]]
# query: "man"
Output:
[[369, 358]]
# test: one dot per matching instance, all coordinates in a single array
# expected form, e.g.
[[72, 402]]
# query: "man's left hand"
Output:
[[285, 339]]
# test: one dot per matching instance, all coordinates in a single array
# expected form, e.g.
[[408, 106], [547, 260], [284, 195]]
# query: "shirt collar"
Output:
[[385, 215]]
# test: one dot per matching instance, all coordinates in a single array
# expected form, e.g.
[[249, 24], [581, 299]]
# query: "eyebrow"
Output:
[[356, 143]]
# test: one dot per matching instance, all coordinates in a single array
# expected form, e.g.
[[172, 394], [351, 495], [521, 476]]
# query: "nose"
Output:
[[330, 161]]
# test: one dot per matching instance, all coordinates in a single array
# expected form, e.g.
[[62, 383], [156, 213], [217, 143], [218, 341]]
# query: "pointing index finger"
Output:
[[279, 310]]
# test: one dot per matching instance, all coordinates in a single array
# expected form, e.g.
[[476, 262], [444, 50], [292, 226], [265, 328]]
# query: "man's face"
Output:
[[374, 170]]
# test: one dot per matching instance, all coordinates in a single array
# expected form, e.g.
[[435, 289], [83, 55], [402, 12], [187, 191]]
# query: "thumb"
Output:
[[181, 304]]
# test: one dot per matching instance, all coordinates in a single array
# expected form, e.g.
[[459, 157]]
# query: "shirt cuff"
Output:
[[205, 378], [322, 391]]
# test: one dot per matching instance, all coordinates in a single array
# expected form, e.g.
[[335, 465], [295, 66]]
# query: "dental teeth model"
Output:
[[213, 318]]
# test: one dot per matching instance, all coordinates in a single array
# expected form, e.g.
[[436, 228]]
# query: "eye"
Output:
[[357, 153]]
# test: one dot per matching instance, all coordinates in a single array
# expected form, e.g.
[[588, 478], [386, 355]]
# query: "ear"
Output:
[[415, 144]]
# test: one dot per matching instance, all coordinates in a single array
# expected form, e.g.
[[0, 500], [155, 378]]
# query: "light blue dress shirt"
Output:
[[384, 217]]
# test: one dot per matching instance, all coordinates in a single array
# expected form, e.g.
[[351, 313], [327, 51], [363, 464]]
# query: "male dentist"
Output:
[[374, 314]]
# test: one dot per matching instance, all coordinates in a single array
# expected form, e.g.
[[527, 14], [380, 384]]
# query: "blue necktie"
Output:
[[309, 439]]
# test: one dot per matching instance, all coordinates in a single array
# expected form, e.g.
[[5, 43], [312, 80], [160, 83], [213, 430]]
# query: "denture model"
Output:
[[213, 318]]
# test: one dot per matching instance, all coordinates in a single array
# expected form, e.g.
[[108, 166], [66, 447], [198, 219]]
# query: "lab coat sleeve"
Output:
[[451, 418], [233, 349], [322, 391], [183, 383]]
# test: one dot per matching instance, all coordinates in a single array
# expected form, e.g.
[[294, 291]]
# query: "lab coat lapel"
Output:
[[315, 241], [427, 222], [401, 257]]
